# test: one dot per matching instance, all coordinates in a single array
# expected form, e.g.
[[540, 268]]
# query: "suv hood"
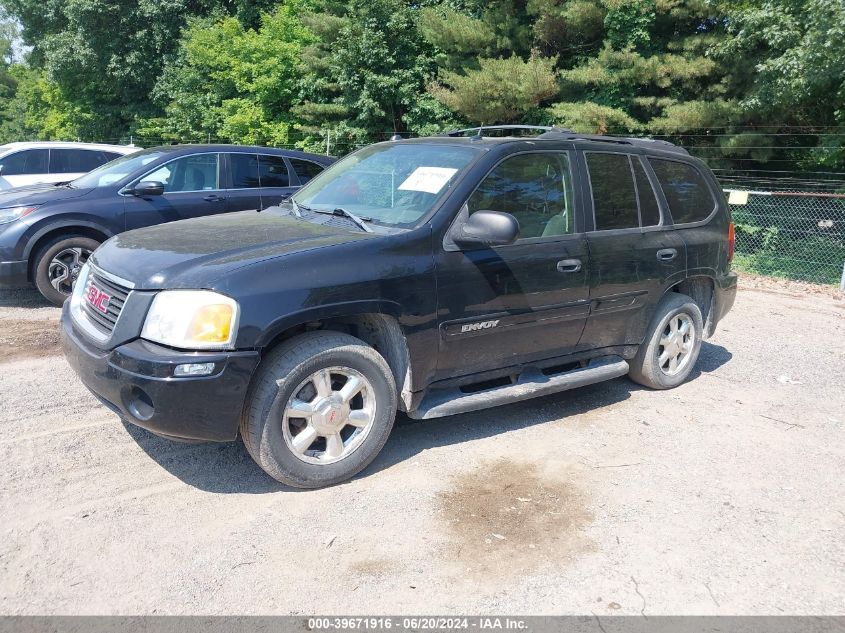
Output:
[[38, 194], [194, 253]]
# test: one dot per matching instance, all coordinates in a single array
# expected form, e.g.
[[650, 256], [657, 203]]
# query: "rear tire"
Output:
[[672, 344], [58, 263], [319, 410]]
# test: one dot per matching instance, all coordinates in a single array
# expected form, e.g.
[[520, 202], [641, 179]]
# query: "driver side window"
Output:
[[535, 188]]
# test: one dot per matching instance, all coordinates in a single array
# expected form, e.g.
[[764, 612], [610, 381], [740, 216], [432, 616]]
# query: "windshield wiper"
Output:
[[361, 222], [296, 207]]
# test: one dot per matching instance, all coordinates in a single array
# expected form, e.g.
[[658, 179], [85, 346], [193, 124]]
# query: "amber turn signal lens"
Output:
[[212, 324]]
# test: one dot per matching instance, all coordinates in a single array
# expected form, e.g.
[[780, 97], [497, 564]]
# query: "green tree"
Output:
[[105, 56], [592, 118], [231, 82], [372, 63], [500, 91]]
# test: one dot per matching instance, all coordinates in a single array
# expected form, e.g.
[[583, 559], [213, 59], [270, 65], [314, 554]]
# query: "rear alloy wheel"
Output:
[[57, 266], [676, 344], [671, 346], [320, 408]]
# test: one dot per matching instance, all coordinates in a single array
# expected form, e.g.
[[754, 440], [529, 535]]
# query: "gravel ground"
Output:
[[723, 496]]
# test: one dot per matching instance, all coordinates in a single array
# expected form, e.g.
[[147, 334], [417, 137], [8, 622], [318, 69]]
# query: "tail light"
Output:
[[731, 242]]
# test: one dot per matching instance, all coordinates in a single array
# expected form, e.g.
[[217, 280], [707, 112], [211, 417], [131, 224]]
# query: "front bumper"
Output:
[[136, 381], [13, 275]]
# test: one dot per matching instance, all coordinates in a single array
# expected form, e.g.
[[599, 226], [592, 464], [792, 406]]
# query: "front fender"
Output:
[[318, 313], [37, 231]]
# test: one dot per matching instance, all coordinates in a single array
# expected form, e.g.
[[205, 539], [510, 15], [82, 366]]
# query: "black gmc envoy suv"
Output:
[[432, 276]]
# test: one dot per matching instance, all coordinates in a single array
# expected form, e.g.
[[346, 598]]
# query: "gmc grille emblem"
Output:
[[98, 299]]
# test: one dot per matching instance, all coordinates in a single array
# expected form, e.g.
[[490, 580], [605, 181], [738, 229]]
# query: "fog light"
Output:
[[194, 369]]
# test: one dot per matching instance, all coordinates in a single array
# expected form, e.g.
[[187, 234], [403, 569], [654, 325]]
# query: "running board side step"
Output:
[[532, 383]]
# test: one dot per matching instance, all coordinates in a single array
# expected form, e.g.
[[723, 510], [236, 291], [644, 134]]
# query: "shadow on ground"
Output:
[[23, 298], [228, 468]]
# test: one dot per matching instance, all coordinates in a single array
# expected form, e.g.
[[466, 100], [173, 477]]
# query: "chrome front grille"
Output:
[[103, 320]]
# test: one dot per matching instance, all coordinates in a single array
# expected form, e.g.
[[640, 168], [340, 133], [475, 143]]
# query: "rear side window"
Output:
[[273, 172], [649, 211], [77, 161], [686, 191], [28, 161], [614, 195], [305, 169], [244, 171]]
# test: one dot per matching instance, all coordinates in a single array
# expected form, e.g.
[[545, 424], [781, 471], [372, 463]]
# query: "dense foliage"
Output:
[[760, 83]]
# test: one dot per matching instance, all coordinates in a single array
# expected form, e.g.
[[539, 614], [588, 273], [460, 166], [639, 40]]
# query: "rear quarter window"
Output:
[[686, 191], [305, 169]]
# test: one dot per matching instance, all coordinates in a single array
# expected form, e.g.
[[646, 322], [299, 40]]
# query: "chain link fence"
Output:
[[792, 234]]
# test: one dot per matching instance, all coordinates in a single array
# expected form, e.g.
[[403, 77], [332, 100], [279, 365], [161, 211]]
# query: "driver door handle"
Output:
[[666, 254], [569, 265], [214, 198]]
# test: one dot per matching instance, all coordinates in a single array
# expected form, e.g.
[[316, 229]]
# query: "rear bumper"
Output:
[[724, 296], [136, 381], [13, 275]]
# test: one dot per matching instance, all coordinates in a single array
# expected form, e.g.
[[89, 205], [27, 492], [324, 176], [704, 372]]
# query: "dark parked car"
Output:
[[434, 276], [47, 232]]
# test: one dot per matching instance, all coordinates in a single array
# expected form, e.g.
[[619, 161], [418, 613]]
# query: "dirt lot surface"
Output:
[[723, 496]]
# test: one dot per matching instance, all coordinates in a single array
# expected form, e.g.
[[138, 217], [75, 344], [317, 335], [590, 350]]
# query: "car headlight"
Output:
[[192, 319], [79, 287], [10, 214]]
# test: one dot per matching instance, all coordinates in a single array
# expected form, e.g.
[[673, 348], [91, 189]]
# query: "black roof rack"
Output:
[[568, 135], [484, 128], [550, 133]]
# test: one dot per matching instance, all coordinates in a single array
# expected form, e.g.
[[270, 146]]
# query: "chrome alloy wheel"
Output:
[[65, 266], [676, 344], [329, 415]]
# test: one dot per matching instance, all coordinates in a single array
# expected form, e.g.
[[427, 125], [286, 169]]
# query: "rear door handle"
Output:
[[214, 198], [569, 265], [666, 254]]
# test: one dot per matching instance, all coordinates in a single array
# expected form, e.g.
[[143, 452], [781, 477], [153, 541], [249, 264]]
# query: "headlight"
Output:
[[10, 214], [79, 288], [192, 319]]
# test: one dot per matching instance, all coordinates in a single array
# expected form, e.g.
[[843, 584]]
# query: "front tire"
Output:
[[58, 263], [672, 344], [319, 410]]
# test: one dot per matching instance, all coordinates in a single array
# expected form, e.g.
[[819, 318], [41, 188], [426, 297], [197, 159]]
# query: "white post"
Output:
[[842, 281], [328, 137]]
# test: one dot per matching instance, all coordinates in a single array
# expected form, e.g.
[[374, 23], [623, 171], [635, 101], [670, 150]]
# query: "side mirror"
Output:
[[487, 228], [147, 188]]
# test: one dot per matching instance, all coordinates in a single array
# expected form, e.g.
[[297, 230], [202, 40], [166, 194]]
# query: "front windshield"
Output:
[[116, 170], [393, 184]]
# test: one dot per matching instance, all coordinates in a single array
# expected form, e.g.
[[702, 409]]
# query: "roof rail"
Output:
[[568, 135], [550, 133], [479, 131]]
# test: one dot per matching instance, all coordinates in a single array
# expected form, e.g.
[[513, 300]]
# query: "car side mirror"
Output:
[[147, 188], [487, 228]]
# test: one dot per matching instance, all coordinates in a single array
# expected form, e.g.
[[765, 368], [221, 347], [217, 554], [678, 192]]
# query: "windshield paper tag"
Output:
[[428, 179]]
